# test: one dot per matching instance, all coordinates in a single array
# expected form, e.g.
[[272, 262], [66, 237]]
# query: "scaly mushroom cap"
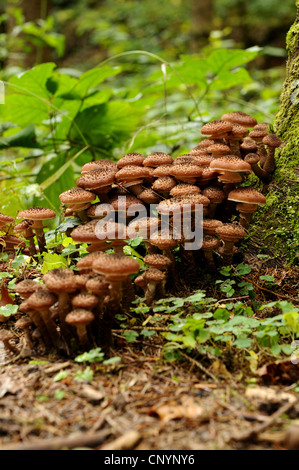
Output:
[[12, 243], [124, 203], [162, 170], [202, 160], [230, 232], [60, 280], [85, 300], [132, 173], [257, 134], [79, 316], [249, 145], [85, 233], [246, 195], [186, 171], [133, 158], [209, 225], [23, 226], [157, 261], [239, 117], [149, 196], [80, 281], [214, 194], [238, 132], [99, 165], [96, 179], [164, 183], [210, 243], [154, 275], [98, 210], [37, 213], [230, 163], [157, 158], [76, 196], [97, 285], [252, 158], [85, 264], [164, 239], [111, 231], [216, 127], [272, 140], [140, 280], [218, 149], [41, 299], [143, 227], [116, 266], [182, 189], [27, 287], [5, 219], [24, 322]]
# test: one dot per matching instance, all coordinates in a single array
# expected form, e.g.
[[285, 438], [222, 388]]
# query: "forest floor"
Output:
[[146, 403]]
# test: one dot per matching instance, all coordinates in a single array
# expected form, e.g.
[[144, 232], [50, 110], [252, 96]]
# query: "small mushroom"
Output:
[[272, 141], [25, 323], [80, 318], [6, 336], [37, 215], [152, 277], [229, 234], [248, 199]]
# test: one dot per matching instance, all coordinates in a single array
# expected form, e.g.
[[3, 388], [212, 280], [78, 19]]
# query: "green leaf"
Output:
[[8, 310], [34, 81], [94, 355], [84, 376], [130, 335], [60, 376], [53, 261], [94, 77], [243, 343], [24, 138], [267, 277]]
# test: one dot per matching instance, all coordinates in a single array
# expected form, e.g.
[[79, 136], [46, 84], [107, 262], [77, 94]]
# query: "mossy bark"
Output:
[[286, 123]]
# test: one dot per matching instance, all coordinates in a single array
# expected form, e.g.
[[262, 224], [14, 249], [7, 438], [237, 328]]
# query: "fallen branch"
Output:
[[60, 443], [259, 428]]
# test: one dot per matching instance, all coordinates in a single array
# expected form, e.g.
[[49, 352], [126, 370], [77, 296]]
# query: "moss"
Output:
[[275, 227]]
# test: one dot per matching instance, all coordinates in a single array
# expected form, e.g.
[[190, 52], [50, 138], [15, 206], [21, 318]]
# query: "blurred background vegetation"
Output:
[[89, 79]]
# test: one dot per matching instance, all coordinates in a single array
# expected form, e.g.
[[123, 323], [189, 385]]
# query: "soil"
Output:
[[144, 402]]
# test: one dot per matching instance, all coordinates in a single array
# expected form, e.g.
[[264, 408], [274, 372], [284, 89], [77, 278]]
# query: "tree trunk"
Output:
[[286, 123], [202, 14], [33, 10]]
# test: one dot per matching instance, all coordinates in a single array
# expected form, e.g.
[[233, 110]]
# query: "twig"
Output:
[[270, 291], [128, 441], [68, 442], [258, 429], [200, 366]]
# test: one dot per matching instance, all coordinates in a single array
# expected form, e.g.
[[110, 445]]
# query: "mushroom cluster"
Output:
[[78, 307]]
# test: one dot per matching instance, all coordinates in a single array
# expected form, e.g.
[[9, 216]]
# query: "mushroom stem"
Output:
[[262, 153], [41, 240], [83, 336], [228, 251], [270, 165], [150, 292], [64, 306], [51, 328]]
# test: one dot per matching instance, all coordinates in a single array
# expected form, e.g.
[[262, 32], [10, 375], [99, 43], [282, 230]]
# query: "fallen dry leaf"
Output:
[[188, 409]]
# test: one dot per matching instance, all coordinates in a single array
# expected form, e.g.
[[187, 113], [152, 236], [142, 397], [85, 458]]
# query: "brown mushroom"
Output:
[[248, 199], [78, 200], [80, 318], [272, 141], [229, 234], [37, 215]]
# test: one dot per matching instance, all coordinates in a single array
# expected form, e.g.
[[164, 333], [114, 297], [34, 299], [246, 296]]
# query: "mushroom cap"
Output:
[[162, 170], [111, 231], [95, 179], [79, 316], [230, 232], [98, 210], [37, 213], [157, 261], [76, 196], [202, 160], [239, 117], [157, 158], [258, 134], [143, 227], [178, 204], [80, 280], [216, 127], [140, 280], [246, 195], [5, 335], [23, 322], [85, 300], [165, 239], [60, 280], [248, 145], [209, 226], [133, 158], [5, 219], [186, 171], [85, 264], [116, 266], [230, 163], [12, 242], [97, 285], [123, 203], [132, 172], [272, 140], [85, 233], [210, 243], [23, 226], [98, 165], [218, 149], [149, 196], [26, 287], [154, 275], [41, 299], [164, 183], [238, 132], [252, 158], [214, 194], [182, 189]]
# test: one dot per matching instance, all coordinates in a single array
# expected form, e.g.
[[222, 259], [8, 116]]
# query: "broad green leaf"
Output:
[[94, 77], [24, 138], [243, 342], [33, 81], [53, 261], [24, 111]]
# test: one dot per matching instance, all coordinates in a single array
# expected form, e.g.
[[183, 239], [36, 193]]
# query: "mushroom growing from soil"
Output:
[[153, 277], [25, 227], [209, 244], [37, 215], [229, 234], [80, 318], [6, 336], [25, 323], [248, 199]]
